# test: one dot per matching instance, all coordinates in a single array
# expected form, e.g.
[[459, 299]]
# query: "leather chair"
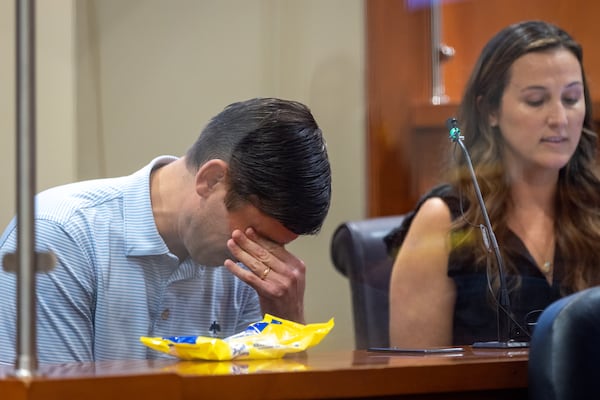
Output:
[[359, 253], [564, 358]]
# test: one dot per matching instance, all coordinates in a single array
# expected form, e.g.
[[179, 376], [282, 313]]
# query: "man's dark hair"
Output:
[[277, 160]]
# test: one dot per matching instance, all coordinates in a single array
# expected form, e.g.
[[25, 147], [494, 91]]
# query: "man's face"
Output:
[[211, 226]]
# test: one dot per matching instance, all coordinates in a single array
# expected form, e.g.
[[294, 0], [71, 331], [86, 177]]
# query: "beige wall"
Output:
[[55, 98], [123, 81]]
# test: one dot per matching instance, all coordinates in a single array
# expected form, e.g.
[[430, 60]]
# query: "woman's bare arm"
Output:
[[422, 296]]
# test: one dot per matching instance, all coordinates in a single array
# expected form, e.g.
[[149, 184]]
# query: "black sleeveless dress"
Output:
[[475, 312]]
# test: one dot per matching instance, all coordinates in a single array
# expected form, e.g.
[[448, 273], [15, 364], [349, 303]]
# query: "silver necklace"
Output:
[[547, 262]]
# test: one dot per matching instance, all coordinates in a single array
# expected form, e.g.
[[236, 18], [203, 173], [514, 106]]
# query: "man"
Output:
[[185, 246]]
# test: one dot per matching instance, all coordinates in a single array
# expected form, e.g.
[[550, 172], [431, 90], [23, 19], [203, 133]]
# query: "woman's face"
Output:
[[542, 110]]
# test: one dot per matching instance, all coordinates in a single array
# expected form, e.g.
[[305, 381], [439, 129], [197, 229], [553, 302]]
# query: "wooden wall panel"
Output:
[[397, 55], [468, 25]]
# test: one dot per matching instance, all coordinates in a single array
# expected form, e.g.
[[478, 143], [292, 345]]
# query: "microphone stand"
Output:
[[489, 239]]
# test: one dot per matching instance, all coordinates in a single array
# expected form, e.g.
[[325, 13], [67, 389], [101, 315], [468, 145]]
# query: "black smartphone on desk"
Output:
[[430, 350]]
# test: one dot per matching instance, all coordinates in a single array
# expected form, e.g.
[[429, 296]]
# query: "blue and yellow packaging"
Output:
[[271, 337]]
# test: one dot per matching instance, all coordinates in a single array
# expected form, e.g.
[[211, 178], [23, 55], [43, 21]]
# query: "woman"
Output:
[[526, 121]]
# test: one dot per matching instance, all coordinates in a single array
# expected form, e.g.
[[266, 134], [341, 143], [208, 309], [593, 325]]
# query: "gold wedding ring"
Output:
[[265, 273]]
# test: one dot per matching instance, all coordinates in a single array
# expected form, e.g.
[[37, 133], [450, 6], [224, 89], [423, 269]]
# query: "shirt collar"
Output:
[[141, 235]]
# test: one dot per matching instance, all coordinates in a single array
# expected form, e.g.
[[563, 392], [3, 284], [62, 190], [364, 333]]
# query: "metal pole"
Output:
[[438, 95], [26, 362]]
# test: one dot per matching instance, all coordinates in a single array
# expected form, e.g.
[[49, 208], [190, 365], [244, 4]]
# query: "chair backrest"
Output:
[[564, 358], [359, 253]]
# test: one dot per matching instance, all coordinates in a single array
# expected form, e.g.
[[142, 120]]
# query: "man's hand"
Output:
[[276, 274]]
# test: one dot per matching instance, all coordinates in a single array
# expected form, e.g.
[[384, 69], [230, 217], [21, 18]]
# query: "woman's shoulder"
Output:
[[432, 209], [435, 202]]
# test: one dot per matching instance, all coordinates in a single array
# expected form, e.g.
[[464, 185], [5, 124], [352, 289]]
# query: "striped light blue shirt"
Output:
[[115, 279]]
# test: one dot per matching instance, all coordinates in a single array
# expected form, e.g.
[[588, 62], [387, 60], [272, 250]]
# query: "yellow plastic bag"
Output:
[[269, 338]]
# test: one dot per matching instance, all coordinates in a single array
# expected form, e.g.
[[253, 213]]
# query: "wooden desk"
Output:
[[479, 374]]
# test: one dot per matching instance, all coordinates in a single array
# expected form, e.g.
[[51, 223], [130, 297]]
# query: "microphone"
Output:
[[489, 240]]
